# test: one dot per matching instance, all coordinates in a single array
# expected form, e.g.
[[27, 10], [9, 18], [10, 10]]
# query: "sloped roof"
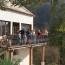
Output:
[[21, 9]]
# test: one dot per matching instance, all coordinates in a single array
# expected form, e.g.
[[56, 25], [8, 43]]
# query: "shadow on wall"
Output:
[[23, 54]]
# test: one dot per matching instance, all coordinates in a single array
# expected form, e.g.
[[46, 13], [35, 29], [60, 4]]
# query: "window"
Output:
[[4, 27], [26, 26], [7, 27], [15, 27]]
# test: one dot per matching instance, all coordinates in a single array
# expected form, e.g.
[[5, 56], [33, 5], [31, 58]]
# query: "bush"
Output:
[[9, 62]]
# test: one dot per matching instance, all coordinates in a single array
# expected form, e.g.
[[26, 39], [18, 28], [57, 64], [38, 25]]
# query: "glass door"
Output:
[[15, 27]]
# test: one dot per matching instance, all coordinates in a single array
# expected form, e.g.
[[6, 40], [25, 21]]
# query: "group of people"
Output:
[[41, 36], [30, 36], [27, 36]]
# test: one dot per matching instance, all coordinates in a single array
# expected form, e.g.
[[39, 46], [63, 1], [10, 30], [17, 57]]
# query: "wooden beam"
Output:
[[43, 55], [25, 46], [30, 55], [11, 54], [11, 27]]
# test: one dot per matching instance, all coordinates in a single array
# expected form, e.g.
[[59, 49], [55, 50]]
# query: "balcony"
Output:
[[15, 41]]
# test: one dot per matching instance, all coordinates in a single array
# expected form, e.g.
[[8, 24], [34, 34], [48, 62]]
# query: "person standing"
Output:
[[32, 36], [38, 36], [22, 32], [28, 35], [45, 34], [25, 38]]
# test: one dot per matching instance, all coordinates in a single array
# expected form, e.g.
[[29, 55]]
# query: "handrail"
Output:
[[15, 40]]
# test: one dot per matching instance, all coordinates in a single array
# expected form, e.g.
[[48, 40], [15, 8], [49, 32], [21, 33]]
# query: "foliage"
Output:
[[25, 2], [9, 62], [57, 29], [22, 2], [37, 56], [52, 55]]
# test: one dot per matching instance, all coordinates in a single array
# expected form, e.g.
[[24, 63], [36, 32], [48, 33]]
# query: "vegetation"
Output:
[[9, 62], [37, 56], [56, 34], [57, 30], [22, 2], [25, 2]]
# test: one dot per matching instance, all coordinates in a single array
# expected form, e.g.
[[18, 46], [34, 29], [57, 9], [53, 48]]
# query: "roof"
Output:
[[18, 9]]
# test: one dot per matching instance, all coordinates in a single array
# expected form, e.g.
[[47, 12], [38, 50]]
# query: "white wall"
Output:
[[24, 56], [16, 17]]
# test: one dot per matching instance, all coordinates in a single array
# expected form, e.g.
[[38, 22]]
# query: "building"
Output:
[[12, 19]]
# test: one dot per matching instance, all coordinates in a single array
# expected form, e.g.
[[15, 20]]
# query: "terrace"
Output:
[[14, 40], [11, 46]]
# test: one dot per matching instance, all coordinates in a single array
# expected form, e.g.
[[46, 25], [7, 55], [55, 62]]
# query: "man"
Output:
[[28, 35], [22, 32]]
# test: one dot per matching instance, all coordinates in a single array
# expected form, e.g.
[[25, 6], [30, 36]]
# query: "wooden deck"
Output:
[[23, 46], [26, 46], [13, 42]]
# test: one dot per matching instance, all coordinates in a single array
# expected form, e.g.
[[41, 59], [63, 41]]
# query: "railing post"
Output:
[[11, 54], [43, 54], [11, 25], [19, 26], [30, 55]]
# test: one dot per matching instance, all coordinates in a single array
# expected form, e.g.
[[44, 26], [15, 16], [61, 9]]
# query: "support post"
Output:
[[7, 54], [43, 54], [11, 54], [11, 25], [30, 55], [19, 26]]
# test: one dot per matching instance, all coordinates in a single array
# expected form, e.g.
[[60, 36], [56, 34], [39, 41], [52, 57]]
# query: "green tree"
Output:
[[25, 2], [57, 29]]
